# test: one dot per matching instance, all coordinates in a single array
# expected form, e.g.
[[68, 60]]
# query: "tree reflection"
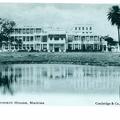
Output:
[[6, 83]]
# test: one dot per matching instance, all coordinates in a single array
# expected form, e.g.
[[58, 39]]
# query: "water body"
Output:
[[59, 84]]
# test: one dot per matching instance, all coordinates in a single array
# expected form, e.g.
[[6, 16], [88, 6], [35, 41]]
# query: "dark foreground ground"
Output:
[[89, 58]]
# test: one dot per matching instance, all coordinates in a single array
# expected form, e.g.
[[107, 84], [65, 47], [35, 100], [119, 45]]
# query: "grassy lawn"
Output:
[[90, 58]]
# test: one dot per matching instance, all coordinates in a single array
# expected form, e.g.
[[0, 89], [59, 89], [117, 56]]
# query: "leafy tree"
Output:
[[6, 28], [110, 42], [114, 17]]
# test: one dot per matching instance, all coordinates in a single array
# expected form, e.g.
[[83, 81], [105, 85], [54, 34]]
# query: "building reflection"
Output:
[[58, 78]]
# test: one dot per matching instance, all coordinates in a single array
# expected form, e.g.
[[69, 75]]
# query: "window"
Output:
[[95, 38], [87, 38], [20, 31], [75, 28], [56, 37], [31, 31], [86, 28], [31, 45], [23, 38], [31, 38], [83, 38], [70, 38], [44, 39], [76, 38], [38, 38], [50, 38], [27, 38], [16, 31], [69, 46], [23, 31], [79, 28], [90, 28], [82, 28], [28, 46], [44, 46], [12, 38], [24, 46], [91, 38], [27, 31], [76, 45], [20, 37], [16, 38], [62, 37], [38, 30]]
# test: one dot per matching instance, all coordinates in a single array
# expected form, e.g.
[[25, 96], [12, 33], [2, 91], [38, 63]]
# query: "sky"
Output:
[[61, 15]]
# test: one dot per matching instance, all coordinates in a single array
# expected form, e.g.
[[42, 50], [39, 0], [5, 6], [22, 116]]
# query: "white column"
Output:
[[72, 46], [80, 40], [99, 42], [94, 42], [48, 47], [78, 46], [85, 42], [53, 48], [25, 38], [40, 46], [59, 50], [106, 48], [118, 50], [65, 47], [25, 46]]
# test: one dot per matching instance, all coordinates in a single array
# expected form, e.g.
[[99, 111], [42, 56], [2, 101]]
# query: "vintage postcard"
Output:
[[60, 54]]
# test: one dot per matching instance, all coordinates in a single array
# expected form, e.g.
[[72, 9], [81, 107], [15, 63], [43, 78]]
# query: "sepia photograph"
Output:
[[60, 54]]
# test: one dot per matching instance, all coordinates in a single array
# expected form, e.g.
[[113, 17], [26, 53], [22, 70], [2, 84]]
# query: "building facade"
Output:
[[84, 38], [77, 38]]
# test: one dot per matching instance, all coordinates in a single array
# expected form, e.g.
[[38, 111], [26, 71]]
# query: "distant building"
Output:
[[78, 38], [83, 38]]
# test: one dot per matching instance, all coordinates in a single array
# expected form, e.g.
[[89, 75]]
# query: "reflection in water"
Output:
[[6, 83], [49, 78]]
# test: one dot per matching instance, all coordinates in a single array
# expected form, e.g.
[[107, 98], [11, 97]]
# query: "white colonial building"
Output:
[[83, 38], [50, 39], [31, 38]]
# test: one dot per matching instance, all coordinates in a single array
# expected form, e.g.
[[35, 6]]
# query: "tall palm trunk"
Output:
[[118, 27], [118, 34]]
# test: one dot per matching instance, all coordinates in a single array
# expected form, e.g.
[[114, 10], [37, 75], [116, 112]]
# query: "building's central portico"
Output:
[[57, 40]]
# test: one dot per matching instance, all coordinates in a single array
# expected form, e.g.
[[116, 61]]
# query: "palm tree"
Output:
[[114, 17]]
